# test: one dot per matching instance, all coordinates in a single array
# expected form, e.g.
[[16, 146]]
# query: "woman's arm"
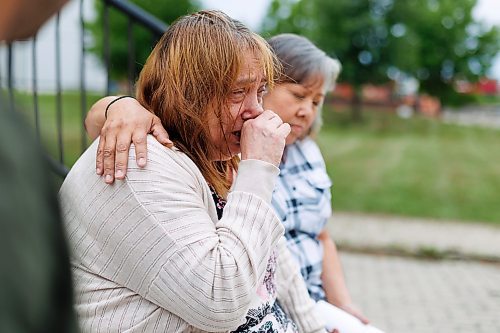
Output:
[[333, 278], [156, 234], [94, 121], [127, 122], [293, 294]]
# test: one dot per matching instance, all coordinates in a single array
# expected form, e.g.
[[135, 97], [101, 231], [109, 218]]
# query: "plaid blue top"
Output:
[[302, 200]]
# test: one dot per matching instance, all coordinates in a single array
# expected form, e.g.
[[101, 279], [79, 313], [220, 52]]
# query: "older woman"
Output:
[[191, 242], [302, 194]]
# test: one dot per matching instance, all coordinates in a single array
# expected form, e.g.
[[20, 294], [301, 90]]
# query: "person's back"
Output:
[[111, 227], [116, 230]]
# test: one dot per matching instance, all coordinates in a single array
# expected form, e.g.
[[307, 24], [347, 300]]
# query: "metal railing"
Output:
[[136, 17]]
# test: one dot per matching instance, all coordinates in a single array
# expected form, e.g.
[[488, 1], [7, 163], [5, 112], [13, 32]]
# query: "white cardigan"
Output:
[[150, 255]]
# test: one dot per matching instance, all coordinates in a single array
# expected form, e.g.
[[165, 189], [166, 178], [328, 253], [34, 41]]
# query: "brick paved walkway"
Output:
[[405, 295], [409, 295], [414, 235]]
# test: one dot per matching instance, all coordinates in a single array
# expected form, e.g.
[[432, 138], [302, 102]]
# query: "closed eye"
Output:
[[238, 95], [298, 96], [238, 92]]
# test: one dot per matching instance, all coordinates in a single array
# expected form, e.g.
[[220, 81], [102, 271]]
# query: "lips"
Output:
[[297, 128]]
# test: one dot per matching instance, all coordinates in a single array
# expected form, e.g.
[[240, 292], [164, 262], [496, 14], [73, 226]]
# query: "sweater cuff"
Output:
[[256, 177]]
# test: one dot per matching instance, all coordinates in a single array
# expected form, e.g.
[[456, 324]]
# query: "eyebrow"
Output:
[[248, 80], [310, 90]]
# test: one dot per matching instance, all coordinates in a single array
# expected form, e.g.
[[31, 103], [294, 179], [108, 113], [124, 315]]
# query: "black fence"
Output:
[[135, 16]]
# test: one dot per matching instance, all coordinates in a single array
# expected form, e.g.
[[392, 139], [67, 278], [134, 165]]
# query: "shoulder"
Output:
[[305, 162], [310, 149], [161, 159], [167, 169], [304, 152]]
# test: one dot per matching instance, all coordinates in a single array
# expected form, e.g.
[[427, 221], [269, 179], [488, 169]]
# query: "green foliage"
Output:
[[143, 41], [455, 99], [447, 42], [342, 28], [434, 41]]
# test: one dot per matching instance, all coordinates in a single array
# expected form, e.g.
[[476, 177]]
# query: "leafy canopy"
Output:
[[435, 41], [143, 41]]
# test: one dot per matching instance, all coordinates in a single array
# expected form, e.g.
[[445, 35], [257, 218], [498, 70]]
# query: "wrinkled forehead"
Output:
[[257, 60], [252, 71]]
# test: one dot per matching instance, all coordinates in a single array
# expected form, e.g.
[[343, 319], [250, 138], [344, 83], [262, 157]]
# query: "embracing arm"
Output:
[[94, 121], [127, 122], [333, 280]]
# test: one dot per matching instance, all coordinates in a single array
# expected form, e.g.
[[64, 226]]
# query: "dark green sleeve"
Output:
[[35, 279]]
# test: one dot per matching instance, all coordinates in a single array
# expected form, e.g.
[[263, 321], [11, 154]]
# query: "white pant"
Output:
[[341, 320]]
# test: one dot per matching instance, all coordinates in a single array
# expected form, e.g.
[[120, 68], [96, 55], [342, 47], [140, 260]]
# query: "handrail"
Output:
[[135, 12], [135, 15]]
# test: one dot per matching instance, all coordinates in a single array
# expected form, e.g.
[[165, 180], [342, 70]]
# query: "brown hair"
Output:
[[191, 71]]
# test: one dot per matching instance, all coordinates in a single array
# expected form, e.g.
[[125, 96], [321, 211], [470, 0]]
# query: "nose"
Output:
[[306, 109], [251, 107]]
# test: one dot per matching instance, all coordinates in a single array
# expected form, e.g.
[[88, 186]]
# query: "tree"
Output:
[[143, 40], [352, 30], [434, 41], [448, 43]]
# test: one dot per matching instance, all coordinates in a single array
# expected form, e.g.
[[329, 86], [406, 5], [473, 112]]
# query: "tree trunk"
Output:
[[356, 106]]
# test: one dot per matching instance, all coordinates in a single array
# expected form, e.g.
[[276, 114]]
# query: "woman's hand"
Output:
[[333, 280], [354, 311], [263, 138], [127, 122]]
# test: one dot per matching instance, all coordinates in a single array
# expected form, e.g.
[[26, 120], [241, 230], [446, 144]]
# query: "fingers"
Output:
[[99, 161], [281, 128], [270, 118], [269, 114], [264, 137], [118, 132], [353, 310], [362, 318], [121, 157], [160, 133], [108, 153], [113, 152], [284, 129], [141, 150]]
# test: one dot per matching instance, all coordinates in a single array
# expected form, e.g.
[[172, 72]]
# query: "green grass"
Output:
[[488, 99], [416, 167], [71, 122]]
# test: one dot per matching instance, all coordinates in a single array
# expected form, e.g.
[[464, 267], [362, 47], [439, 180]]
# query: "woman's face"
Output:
[[297, 105], [244, 102]]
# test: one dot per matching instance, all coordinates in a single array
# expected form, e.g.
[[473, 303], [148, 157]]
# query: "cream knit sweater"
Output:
[[150, 255]]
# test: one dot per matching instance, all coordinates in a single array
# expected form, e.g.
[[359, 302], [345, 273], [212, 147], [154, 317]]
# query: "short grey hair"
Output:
[[303, 61]]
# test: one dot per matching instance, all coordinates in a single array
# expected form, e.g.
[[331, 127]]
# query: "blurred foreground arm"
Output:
[[20, 19]]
